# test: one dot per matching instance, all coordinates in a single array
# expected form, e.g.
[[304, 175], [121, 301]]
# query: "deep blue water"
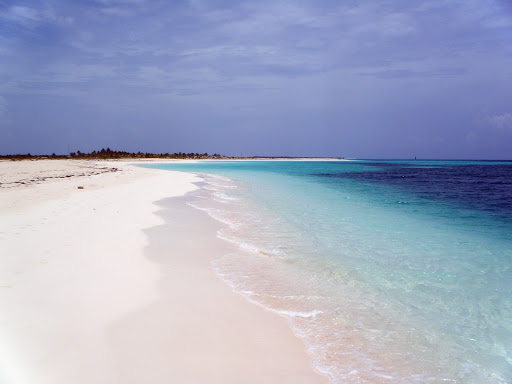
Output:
[[391, 271], [482, 186]]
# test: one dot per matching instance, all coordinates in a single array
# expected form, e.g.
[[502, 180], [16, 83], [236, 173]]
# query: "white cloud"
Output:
[[118, 12], [24, 16], [30, 17], [374, 21], [20, 12], [50, 15], [58, 78], [501, 122], [152, 73], [110, 2]]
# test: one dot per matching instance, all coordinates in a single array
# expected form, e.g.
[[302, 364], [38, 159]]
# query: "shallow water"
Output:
[[391, 271]]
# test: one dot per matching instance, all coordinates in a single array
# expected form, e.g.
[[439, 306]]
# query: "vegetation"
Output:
[[110, 154]]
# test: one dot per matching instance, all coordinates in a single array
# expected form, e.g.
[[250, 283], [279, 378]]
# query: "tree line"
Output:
[[111, 154]]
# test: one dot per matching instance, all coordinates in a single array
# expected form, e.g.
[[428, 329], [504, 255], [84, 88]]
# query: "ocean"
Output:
[[390, 271]]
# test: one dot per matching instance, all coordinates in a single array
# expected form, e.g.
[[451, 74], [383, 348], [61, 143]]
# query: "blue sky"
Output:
[[393, 79]]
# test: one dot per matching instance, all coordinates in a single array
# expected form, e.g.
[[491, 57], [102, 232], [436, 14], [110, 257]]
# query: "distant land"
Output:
[[111, 154]]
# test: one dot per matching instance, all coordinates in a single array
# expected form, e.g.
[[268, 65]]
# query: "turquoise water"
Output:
[[391, 271]]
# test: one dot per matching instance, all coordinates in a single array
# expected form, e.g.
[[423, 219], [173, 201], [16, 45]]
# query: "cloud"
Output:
[[24, 16], [109, 2], [407, 73], [49, 15], [383, 24], [117, 11], [502, 122], [30, 18], [346, 64]]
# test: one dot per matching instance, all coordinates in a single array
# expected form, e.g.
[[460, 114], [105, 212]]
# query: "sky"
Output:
[[355, 79]]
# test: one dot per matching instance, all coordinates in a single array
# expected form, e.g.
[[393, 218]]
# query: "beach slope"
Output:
[[96, 286]]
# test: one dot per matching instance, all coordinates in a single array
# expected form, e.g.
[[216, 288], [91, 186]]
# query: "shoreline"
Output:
[[65, 297], [232, 339]]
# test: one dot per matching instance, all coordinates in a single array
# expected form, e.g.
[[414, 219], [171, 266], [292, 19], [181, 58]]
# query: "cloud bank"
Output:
[[361, 78]]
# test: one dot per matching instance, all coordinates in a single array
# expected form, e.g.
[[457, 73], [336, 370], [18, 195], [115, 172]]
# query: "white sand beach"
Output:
[[96, 286]]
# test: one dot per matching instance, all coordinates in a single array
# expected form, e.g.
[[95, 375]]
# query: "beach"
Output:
[[106, 277], [390, 271]]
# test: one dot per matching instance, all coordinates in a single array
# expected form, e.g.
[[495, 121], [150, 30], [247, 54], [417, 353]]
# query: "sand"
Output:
[[101, 285]]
